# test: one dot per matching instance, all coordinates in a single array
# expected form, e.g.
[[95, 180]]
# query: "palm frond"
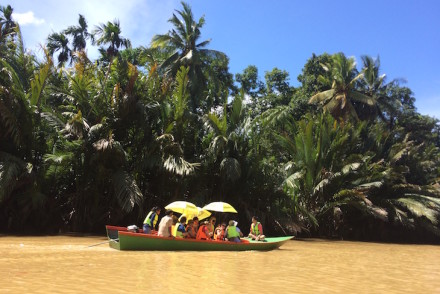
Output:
[[218, 145], [421, 206], [39, 81], [322, 97], [274, 116], [218, 125], [179, 166], [230, 169], [365, 99], [53, 120], [126, 190], [181, 95]]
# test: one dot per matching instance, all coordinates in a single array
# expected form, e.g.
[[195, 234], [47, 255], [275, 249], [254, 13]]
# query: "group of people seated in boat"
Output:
[[171, 226]]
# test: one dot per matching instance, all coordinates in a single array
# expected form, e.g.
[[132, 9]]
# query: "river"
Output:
[[64, 264]]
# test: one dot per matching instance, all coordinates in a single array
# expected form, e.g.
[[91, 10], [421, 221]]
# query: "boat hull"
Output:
[[121, 239]]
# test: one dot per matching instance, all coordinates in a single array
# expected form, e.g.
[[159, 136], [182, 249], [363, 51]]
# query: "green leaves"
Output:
[[180, 94], [339, 99], [110, 33], [39, 81], [421, 206], [217, 124]]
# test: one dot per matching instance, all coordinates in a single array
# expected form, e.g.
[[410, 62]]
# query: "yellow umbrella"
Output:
[[203, 213], [183, 207], [220, 207]]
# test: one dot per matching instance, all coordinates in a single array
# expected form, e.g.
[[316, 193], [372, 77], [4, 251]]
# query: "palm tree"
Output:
[[7, 25], [188, 50], [175, 117], [229, 132], [110, 33], [372, 80], [373, 84], [79, 34], [59, 42], [339, 99]]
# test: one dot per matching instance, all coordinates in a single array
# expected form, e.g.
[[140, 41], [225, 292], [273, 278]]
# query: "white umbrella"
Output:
[[220, 207]]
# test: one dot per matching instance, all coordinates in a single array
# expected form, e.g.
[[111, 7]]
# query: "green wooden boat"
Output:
[[120, 238]]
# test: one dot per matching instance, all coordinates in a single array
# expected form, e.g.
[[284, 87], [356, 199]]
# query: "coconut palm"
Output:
[[373, 84], [341, 96], [188, 50]]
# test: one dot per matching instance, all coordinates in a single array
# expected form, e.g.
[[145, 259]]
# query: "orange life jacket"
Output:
[[219, 234], [201, 235]]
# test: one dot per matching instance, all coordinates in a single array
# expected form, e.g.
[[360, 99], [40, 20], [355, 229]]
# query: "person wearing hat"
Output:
[[232, 233], [150, 221], [165, 224]]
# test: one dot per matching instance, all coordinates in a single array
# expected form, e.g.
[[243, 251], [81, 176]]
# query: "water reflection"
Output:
[[68, 265]]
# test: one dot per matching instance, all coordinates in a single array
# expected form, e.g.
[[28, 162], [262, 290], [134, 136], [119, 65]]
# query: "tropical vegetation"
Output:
[[85, 142]]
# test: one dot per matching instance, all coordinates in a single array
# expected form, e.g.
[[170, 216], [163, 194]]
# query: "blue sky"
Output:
[[284, 33]]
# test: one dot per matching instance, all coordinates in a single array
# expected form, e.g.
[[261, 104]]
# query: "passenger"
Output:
[[203, 233], [165, 224], [256, 232], [232, 234], [211, 226], [150, 221], [196, 223], [179, 230], [238, 229], [182, 216], [175, 221], [191, 232], [220, 232]]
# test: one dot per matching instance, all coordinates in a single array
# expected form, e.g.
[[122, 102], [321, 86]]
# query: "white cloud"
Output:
[[27, 18], [140, 19]]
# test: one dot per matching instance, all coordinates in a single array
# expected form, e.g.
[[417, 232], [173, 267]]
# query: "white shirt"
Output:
[[165, 223]]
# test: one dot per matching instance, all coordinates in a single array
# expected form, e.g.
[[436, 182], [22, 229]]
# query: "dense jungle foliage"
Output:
[[84, 143]]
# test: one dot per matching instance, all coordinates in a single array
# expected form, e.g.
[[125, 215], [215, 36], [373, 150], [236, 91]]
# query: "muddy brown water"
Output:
[[64, 264]]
